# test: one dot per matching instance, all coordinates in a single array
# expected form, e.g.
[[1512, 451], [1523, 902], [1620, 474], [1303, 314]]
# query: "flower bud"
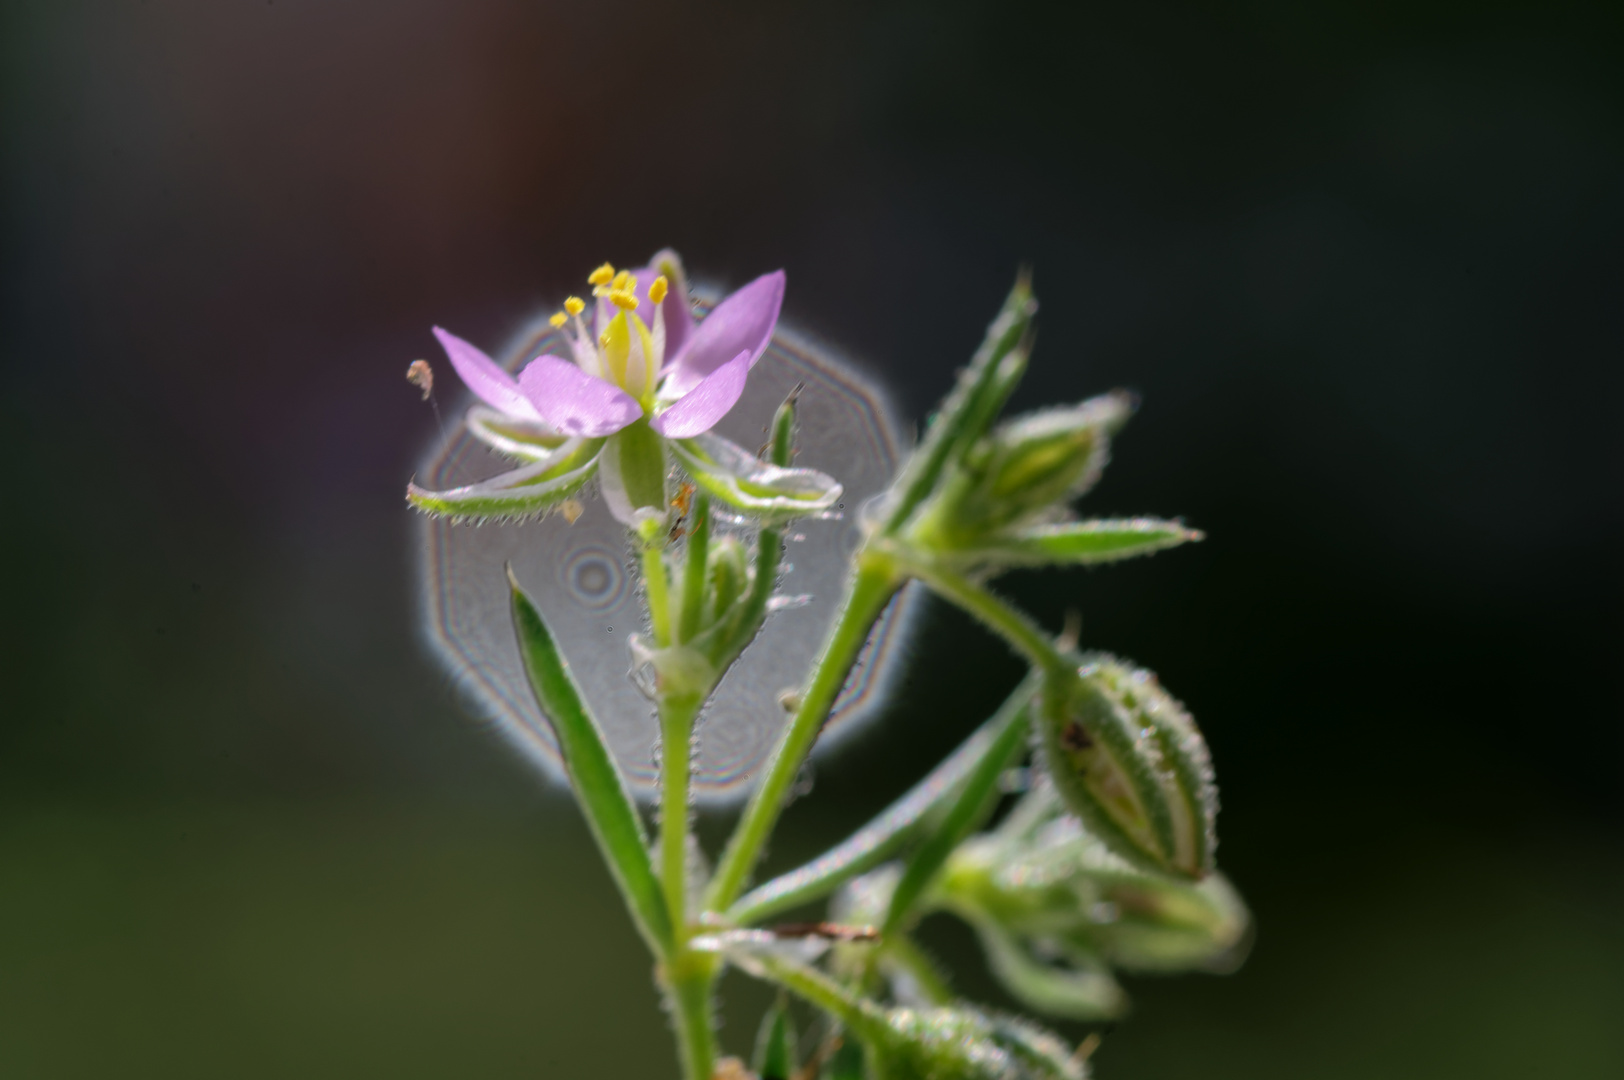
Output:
[[962, 1043], [1129, 761], [1026, 469], [1047, 879]]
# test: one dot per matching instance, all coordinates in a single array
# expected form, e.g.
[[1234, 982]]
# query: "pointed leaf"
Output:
[[969, 810], [598, 784], [981, 390], [775, 1057], [880, 838], [532, 489], [1085, 992], [732, 474], [1076, 543]]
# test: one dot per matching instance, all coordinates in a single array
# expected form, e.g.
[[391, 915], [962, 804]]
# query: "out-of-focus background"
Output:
[[1365, 263]]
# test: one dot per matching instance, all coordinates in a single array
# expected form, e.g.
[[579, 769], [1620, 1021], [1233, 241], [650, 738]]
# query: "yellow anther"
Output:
[[623, 299], [557, 319], [621, 282], [603, 340], [574, 305], [657, 289], [601, 276]]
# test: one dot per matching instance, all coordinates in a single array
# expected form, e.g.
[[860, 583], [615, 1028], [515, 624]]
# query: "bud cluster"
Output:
[[1057, 911]]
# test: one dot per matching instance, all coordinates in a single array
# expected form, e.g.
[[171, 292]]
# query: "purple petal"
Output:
[[485, 377], [574, 402], [743, 322], [679, 321], [699, 409]]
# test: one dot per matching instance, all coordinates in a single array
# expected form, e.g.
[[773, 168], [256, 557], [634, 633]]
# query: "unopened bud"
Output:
[[1047, 879], [1028, 468], [729, 575], [962, 1043], [1129, 761]]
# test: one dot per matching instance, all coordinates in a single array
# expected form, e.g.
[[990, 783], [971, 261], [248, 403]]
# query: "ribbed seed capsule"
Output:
[[1129, 760]]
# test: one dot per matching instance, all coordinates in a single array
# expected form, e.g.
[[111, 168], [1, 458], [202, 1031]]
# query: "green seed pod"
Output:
[[1129, 761]]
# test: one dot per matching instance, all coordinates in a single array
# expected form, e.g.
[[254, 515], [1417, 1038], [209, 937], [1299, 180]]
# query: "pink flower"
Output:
[[644, 383], [647, 359]]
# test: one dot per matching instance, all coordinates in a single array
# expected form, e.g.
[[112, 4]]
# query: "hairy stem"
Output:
[[688, 995], [659, 604], [676, 730], [693, 575], [1015, 627], [875, 582]]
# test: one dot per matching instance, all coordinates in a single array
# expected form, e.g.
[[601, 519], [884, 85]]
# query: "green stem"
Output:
[[1015, 627], [816, 988], [659, 606], [689, 997], [693, 575], [876, 581], [676, 731], [880, 838]]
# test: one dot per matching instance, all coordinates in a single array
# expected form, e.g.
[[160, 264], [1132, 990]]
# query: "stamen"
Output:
[[601, 276], [574, 305], [619, 284], [657, 290], [558, 319], [623, 299]]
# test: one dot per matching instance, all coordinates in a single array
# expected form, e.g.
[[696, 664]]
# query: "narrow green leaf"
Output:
[[973, 805], [875, 842], [732, 474], [776, 1057], [533, 489], [598, 784], [1077, 543], [981, 390]]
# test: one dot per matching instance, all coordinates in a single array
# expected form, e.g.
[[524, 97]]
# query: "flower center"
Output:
[[627, 351]]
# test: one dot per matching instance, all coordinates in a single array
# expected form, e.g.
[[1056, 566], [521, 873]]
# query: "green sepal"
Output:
[[981, 390], [775, 1057], [1076, 543], [751, 486], [1082, 990], [1042, 884], [599, 786], [518, 439], [532, 489], [966, 1043], [633, 482], [1026, 470]]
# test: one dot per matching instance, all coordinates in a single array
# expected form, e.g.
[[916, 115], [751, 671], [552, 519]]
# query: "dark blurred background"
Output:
[[1364, 262]]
